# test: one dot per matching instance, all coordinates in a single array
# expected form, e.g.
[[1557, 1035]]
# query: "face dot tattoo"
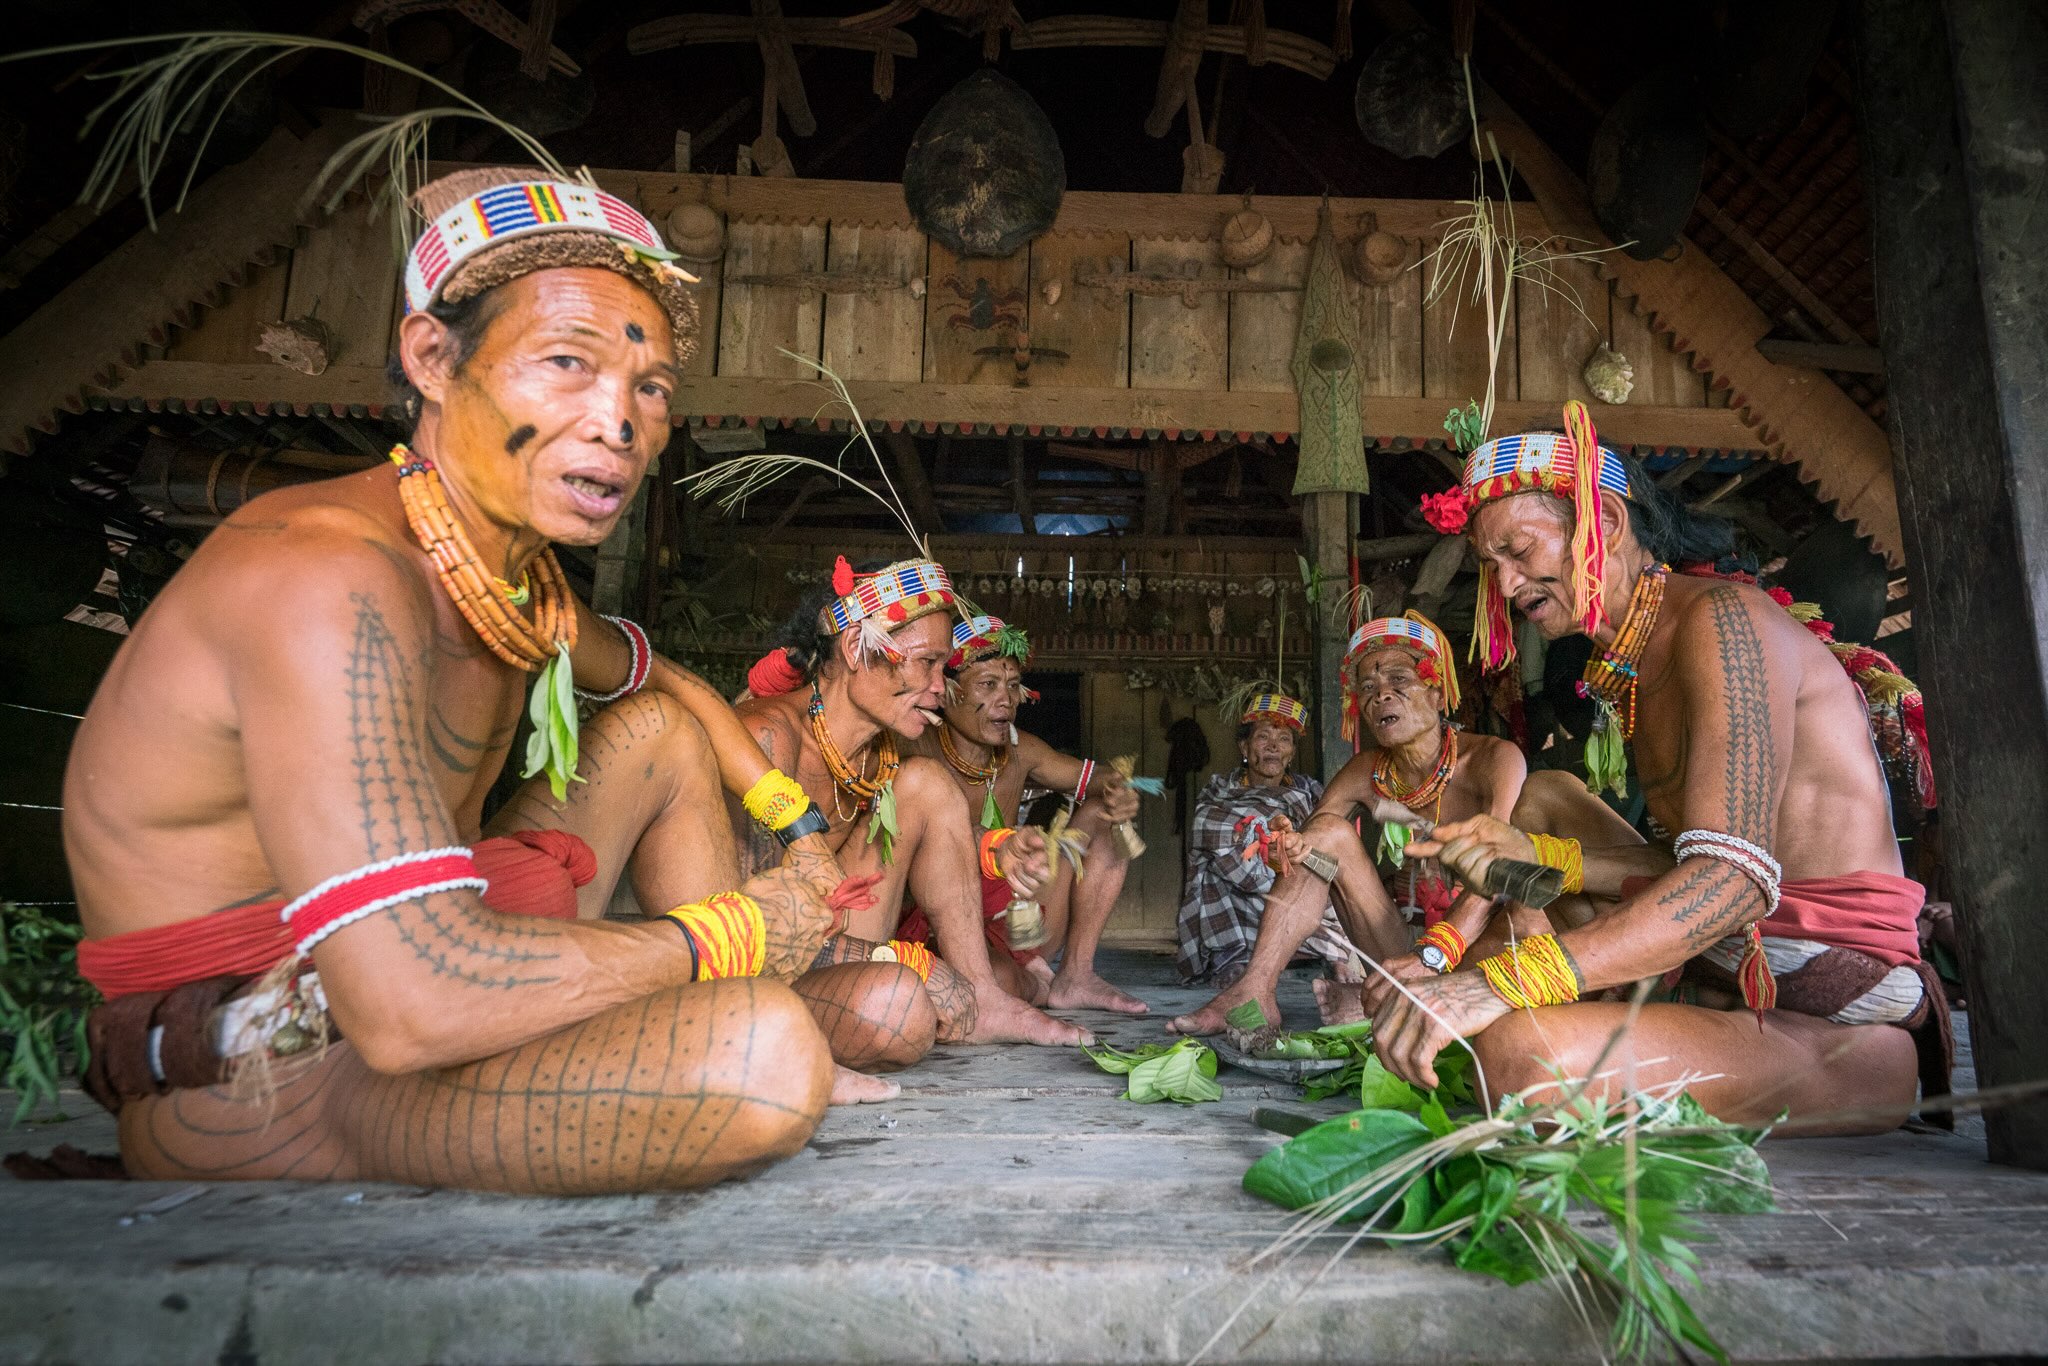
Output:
[[517, 441], [626, 433], [633, 333]]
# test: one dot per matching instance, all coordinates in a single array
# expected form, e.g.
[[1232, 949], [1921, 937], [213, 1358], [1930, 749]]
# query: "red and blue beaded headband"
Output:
[[986, 637], [505, 212], [898, 594], [1417, 633]]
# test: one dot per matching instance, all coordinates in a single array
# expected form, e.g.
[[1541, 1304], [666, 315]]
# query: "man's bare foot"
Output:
[[1209, 1019], [1086, 991], [858, 1088], [1002, 1018], [1339, 1002]]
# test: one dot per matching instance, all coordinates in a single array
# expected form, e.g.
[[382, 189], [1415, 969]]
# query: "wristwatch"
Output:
[[1434, 958], [883, 953], [812, 822]]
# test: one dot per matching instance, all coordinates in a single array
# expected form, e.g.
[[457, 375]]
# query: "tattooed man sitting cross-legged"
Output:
[[993, 762], [861, 673], [272, 808], [1753, 744]]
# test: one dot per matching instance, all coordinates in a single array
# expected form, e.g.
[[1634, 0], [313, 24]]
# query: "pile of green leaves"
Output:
[[1377, 1088], [1499, 1193], [43, 1005], [1184, 1072]]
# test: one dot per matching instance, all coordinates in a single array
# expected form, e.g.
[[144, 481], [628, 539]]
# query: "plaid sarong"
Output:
[[1225, 891]]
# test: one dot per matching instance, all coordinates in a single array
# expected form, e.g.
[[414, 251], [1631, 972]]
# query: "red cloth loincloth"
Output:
[[916, 926], [531, 872], [1872, 913]]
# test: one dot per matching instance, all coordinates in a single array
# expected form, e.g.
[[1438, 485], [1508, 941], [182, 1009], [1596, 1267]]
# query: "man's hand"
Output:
[[1469, 847], [1407, 1036], [1024, 862], [1407, 967], [1119, 799], [1287, 847], [795, 901]]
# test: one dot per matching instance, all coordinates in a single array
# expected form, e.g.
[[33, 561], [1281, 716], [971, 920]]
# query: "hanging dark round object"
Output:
[[1411, 96], [1643, 172], [985, 173], [543, 108], [1765, 58]]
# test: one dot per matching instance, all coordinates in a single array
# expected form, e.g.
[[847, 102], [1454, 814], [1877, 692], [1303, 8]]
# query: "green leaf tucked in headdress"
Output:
[[1013, 643]]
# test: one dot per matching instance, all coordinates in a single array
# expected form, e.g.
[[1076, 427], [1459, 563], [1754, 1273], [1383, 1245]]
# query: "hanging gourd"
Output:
[[985, 173]]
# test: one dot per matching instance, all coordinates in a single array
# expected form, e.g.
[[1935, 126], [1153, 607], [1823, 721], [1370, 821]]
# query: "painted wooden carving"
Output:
[[1326, 375]]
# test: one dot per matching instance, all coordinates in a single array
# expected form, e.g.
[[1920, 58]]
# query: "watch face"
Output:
[[1433, 958], [882, 953]]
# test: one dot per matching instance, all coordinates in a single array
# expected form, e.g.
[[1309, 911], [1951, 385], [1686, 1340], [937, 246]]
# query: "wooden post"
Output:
[[1328, 524], [628, 541], [1952, 130]]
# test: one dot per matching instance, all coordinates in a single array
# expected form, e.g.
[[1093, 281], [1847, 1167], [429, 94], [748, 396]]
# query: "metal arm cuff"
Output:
[[1319, 864]]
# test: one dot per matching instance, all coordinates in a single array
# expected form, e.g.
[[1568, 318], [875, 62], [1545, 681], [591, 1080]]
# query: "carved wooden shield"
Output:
[[985, 173]]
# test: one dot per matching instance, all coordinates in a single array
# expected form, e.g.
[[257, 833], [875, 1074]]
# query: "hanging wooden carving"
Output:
[[985, 173], [1326, 376]]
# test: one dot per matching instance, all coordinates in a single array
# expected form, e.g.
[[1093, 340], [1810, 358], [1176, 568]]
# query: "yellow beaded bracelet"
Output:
[[1564, 855], [776, 800], [1532, 973], [727, 935]]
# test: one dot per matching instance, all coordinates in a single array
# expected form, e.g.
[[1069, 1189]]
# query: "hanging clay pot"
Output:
[[1643, 172], [1380, 257], [1411, 96], [695, 234], [985, 173], [1247, 238]]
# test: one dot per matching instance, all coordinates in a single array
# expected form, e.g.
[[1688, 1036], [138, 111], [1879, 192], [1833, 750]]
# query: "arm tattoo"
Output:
[[1711, 903], [400, 811], [1752, 760]]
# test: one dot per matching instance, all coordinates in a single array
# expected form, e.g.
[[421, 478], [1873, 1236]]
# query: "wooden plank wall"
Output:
[[931, 317]]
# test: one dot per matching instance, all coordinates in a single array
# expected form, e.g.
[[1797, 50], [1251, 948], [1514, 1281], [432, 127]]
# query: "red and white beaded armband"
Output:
[[636, 676], [1087, 776], [347, 897]]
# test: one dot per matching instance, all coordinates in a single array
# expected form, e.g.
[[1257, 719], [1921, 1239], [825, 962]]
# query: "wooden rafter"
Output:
[[1090, 30], [490, 16]]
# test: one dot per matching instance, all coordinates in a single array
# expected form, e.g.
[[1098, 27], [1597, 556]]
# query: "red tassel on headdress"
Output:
[[773, 674], [842, 577], [1589, 547], [1759, 987], [1493, 635]]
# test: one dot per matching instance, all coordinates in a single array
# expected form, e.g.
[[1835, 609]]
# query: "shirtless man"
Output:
[[1752, 742], [984, 688], [862, 673], [291, 750], [1399, 681]]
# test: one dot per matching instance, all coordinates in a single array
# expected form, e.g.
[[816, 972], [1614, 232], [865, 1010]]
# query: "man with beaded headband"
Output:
[[1752, 742], [993, 763], [283, 778], [861, 674], [1400, 682]]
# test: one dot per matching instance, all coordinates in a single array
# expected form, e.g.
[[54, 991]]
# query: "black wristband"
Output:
[[812, 822]]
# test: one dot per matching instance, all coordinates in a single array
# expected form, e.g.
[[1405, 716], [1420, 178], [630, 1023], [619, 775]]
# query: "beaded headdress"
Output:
[[878, 603], [491, 225], [1274, 707], [1413, 632], [1572, 465], [985, 637]]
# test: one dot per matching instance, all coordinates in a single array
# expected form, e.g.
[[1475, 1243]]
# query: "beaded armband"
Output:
[[1567, 856], [778, 804], [636, 676], [991, 841], [348, 897], [1087, 776], [726, 933], [1532, 973], [1445, 939], [917, 957]]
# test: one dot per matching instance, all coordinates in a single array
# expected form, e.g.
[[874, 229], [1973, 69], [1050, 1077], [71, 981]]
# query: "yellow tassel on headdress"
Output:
[[1804, 611], [1589, 547]]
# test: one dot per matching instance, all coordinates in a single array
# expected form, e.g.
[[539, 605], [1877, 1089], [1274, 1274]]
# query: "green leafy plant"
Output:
[[1466, 427], [1377, 1088], [1183, 1072], [551, 749], [1501, 1194], [43, 1005]]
